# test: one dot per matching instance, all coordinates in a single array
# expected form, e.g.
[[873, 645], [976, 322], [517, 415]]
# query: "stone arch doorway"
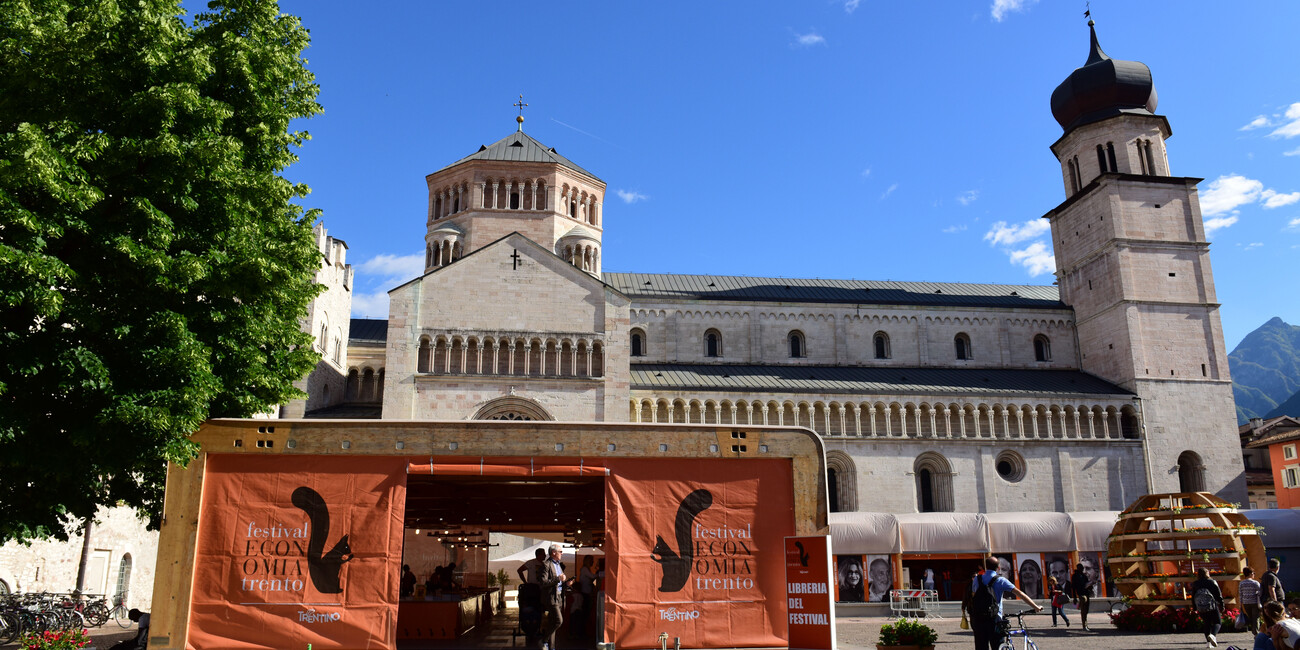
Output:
[[933, 483], [1191, 472]]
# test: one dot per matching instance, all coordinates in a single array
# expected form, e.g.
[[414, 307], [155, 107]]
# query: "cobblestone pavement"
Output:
[[863, 632]]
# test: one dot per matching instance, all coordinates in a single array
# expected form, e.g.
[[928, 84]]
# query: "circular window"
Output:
[[1010, 466]]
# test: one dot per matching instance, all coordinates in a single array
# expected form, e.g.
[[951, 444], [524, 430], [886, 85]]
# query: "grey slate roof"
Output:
[[873, 381], [368, 330], [520, 147], [803, 290]]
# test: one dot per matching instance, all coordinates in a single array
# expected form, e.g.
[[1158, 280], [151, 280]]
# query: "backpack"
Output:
[[1203, 600], [984, 602]]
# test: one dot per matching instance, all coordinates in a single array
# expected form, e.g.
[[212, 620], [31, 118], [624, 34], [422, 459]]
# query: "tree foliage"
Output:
[[153, 265]]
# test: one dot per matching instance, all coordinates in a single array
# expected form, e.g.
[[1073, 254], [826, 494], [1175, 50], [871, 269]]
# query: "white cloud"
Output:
[[866, 172], [1036, 258], [370, 305], [889, 191], [1257, 123], [1294, 224], [1254, 244], [1006, 235], [1218, 223], [1275, 200], [399, 267], [1001, 8], [1293, 152], [954, 229], [851, 6], [810, 39], [968, 197], [631, 197], [1227, 193], [384, 271], [1292, 128]]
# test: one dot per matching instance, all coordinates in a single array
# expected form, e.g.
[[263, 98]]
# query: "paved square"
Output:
[[863, 632]]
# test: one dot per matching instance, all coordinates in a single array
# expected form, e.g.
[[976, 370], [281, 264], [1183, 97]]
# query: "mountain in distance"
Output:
[[1265, 369], [1290, 407]]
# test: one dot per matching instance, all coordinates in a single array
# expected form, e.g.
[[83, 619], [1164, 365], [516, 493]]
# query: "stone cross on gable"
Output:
[[514, 260]]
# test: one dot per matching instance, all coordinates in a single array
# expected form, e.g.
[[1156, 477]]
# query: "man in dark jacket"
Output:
[[552, 581], [1079, 583], [1207, 600]]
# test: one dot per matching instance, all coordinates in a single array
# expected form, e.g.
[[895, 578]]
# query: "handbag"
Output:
[[965, 624], [1059, 600], [1240, 622]]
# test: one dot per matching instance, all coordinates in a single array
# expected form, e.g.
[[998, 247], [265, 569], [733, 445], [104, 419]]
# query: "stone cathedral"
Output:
[[930, 396]]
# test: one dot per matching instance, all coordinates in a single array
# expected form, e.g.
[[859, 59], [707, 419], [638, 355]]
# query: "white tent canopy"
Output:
[[512, 562], [966, 532]]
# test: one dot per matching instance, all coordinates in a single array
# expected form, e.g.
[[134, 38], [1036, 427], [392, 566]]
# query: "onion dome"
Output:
[[1102, 88]]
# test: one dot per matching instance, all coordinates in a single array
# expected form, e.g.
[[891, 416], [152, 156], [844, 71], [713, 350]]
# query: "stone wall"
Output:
[[52, 566]]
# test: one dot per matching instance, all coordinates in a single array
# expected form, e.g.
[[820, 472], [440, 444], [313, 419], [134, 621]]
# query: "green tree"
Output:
[[153, 265]]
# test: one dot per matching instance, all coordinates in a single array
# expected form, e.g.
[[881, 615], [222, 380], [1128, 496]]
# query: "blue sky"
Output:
[[817, 138]]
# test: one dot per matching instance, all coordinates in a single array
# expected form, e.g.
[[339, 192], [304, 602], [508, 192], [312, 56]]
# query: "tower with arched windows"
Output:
[[1133, 262], [516, 184]]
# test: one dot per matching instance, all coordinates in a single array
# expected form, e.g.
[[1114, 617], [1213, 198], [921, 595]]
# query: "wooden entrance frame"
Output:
[[174, 575]]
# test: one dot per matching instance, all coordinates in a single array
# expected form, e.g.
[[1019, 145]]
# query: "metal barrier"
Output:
[[914, 602]]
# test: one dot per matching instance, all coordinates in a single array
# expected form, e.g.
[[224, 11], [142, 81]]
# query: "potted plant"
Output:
[[907, 634]]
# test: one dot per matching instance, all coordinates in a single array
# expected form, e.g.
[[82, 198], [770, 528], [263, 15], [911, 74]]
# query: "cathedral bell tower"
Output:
[[1133, 263], [515, 184]]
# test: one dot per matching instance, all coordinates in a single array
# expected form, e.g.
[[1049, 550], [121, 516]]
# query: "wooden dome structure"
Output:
[[1160, 541]]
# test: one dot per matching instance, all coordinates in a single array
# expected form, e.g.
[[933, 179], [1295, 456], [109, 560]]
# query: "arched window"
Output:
[[961, 343], [1074, 186], [123, 579], [324, 335], [713, 343], [1042, 348], [881, 343], [338, 345], [1129, 426], [514, 200], [1101, 159], [841, 482], [1110, 156], [797, 350], [638, 343], [422, 361], [511, 408], [1191, 472], [933, 483]]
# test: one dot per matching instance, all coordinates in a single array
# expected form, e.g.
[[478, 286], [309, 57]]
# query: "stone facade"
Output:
[[328, 320], [122, 558]]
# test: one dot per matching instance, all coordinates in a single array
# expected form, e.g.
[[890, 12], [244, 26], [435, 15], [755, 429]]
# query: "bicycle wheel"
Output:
[[121, 616], [1030, 645], [1007, 643], [1118, 606], [96, 614], [10, 626]]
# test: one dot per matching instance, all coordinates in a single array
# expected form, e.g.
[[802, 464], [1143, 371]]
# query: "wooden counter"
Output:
[[446, 617]]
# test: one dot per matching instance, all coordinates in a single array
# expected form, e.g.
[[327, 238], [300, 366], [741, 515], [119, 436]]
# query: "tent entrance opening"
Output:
[[452, 597]]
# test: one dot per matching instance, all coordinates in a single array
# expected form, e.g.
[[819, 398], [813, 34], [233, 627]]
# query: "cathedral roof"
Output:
[[871, 380], [662, 286], [1103, 87], [520, 147]]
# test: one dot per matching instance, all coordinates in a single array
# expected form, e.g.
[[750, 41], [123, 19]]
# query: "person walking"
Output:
[[1079, 585], [1207, 599], [1058, 600], [1248, 595], [552, 581], [1271, 585], [985, 606]]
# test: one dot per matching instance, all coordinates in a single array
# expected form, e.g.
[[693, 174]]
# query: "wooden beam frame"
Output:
[[174, 576]]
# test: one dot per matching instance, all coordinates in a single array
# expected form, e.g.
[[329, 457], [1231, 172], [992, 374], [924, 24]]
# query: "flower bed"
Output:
[[1169, 619], [52, 640]]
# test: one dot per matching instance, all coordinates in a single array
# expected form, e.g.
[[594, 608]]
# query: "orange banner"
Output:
[[808, 592], [298, 550], [506, 466], [696, 551]]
